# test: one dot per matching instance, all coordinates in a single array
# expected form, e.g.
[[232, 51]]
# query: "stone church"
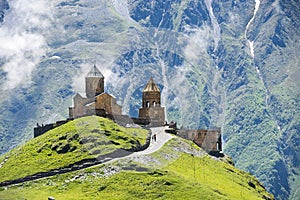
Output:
[[95, 101]]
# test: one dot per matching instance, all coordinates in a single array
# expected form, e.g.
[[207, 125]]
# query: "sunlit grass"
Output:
[[179, 176], [87, 137]]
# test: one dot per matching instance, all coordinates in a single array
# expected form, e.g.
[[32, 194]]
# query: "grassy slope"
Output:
[[87, 137], [166, 174]]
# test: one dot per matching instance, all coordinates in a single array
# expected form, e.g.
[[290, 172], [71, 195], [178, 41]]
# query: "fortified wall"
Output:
[[208, 140], [41, 129]]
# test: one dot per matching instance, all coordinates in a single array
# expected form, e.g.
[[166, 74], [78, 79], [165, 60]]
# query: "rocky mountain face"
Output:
[[229, 64], [3, 6]]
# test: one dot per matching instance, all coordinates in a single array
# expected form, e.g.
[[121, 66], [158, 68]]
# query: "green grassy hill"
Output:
[[178, 170], [198, 52], [84, 138]]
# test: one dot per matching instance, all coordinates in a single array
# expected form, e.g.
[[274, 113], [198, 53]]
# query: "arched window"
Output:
[[147, 104], [154, 103]]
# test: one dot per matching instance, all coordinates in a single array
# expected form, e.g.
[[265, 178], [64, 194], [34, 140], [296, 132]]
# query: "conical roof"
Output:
[[94, 72], [151, 86]]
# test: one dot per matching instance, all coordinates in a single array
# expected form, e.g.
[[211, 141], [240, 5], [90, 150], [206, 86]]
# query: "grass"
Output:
[[213, 174], [124, 185], [83, 138], [172, 178], [222, 178]]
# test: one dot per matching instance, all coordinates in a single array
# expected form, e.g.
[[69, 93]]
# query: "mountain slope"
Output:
[[3, 6], [230, 64], [278, 63], [87, 139], [179, 169]]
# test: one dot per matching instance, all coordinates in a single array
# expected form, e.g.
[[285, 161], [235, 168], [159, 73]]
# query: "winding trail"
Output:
[[161, 138]]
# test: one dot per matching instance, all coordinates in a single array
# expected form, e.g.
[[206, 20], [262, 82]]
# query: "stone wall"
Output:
[[141, 121], [156, 115], [122, 120], [151, 99], [79, 109], [39, 130], [209, 140], [108, 103]]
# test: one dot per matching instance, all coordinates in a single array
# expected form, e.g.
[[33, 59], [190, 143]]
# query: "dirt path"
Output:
[[161, 138]]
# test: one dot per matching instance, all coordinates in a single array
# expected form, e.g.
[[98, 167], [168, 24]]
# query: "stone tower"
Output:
[[151, 107], [94, 83], [151, 95]]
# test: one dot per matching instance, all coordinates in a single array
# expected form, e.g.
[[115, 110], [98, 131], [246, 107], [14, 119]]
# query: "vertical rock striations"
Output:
[[200, 55]]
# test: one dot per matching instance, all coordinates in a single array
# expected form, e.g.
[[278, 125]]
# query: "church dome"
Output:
[[94, 72], [151, 86]]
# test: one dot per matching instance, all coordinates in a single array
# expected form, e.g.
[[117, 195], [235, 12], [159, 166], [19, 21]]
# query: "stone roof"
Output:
[[151, 86], [105, 93], [89, 104], [94, 72], [83, 95]]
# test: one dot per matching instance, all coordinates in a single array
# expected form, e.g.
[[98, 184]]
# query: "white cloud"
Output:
[[78, 81], [198, 43], [22, 41]]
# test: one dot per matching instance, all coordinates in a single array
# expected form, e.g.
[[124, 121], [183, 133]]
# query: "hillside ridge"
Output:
[[228, 64], [159, 163], [148, 148]]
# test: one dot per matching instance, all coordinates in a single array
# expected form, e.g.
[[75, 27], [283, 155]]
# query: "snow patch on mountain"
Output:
[[197, 43], [216, 27], [121, 7], [251, 42]]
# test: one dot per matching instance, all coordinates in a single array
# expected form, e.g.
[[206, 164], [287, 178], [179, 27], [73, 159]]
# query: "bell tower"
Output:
[[94, 83], [151, 105], [151, 95]]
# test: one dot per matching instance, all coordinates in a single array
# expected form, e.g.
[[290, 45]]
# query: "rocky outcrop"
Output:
[[3, 7]]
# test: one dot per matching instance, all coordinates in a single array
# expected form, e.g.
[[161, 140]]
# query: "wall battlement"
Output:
[[40, 130]]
